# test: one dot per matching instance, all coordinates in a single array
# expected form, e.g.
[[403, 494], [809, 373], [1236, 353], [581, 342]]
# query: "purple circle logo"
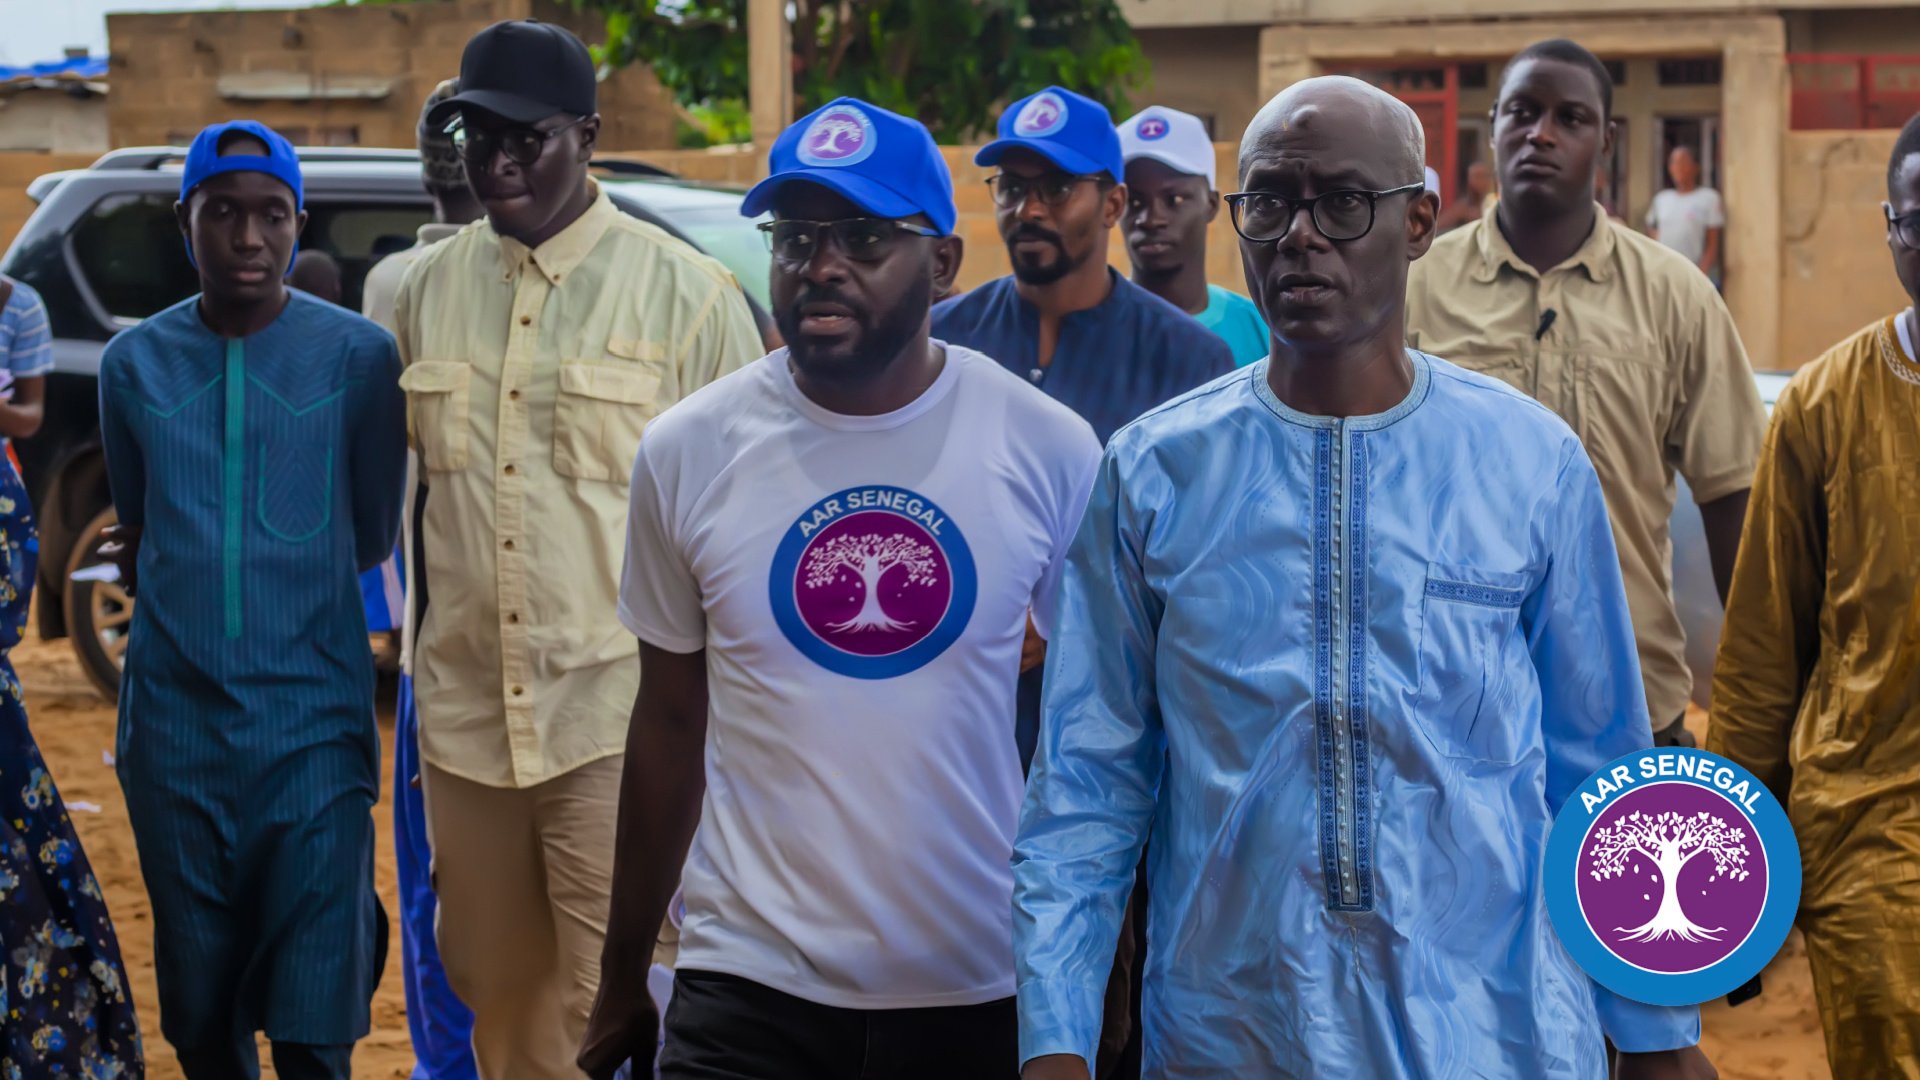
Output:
[[1675, 880], [1152, 128], [840, 136], [1042, 115], [1672, 876], [873, 582]]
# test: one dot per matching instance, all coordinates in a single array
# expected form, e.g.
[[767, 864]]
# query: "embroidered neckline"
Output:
[[1897, 363]]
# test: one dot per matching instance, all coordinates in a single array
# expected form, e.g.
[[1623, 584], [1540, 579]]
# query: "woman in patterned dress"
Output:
[[65, 1007]]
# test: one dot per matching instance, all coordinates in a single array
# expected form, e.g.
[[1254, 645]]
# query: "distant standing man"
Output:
[[538, 347], [252, 434], [1171, 201], [830, 563], [1610, 330], [1817, 689], [439, 1022], [1687, 217]]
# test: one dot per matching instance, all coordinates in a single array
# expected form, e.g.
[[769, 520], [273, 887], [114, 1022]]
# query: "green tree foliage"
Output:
[[953, 64]]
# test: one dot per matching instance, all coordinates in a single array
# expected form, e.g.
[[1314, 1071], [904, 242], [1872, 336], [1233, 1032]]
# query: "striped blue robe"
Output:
[[266, 472]]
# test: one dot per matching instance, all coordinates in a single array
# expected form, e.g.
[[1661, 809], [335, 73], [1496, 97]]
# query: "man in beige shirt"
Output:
[[1622, 337], [537, 346]]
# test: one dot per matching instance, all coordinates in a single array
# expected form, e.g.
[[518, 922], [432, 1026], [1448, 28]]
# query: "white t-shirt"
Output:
[[1683, 220], [861, 585]]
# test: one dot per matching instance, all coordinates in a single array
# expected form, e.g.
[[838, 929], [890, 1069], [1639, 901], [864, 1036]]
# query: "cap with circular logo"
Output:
[[1175, 139], [885, 163], [523, 71], [1074, 132]]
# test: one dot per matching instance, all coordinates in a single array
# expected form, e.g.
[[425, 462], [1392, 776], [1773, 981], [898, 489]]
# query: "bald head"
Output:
[[1337, 109]]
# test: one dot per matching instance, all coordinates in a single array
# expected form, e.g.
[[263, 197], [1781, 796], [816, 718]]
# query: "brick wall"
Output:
[[166, 70]]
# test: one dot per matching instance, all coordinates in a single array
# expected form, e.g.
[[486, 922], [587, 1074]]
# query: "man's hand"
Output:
[[120, 545], [1056, 1067], [1033, 650], [1687, 1064], [624, 1027]]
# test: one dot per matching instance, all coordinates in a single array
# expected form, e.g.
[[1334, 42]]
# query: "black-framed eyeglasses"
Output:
[[522, 144], [1263, 217], [1905, 227], [794, 242], [1011, 192]]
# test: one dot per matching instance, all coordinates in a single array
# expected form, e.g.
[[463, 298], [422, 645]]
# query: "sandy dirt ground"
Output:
[[1775, 1037]]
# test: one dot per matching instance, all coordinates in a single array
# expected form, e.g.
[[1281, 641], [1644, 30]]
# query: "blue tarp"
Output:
[[83, 67]]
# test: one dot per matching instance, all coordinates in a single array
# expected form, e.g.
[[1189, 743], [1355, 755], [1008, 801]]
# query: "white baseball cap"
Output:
[[1175, 139]]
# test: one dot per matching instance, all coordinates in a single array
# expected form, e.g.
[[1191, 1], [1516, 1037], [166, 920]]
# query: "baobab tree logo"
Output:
[[867, 557], [873, 582], [839, 135], [1673, 877]]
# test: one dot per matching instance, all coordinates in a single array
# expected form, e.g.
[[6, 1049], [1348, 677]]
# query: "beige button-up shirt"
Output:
[[530, 375], [1640, 358]]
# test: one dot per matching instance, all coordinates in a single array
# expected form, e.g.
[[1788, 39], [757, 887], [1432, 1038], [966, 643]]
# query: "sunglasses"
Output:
[[523, 145], [795, 242]]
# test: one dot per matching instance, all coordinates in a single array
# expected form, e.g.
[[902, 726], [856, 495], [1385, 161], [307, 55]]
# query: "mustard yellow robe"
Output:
[[1817, 686]]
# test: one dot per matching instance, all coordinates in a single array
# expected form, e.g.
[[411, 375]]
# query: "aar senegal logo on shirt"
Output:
[[873, 582], [840, 136], [1672, 876]]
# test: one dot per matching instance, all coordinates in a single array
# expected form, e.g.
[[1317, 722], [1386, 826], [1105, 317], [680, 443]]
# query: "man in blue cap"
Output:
[[254, 437], [1067, 321], [830, 559]]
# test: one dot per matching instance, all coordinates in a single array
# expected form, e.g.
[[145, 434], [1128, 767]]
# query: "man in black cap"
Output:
[[538, 344]]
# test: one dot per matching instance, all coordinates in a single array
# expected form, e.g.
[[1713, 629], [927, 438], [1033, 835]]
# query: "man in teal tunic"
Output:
[[255, 442]]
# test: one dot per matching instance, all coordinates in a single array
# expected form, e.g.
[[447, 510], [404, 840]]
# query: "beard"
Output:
[[1029, 271], [881, 339]]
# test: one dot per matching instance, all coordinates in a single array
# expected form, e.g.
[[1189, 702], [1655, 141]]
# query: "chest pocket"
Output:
[[1469, 620], [299, 436], [603, 407], [437, 421]]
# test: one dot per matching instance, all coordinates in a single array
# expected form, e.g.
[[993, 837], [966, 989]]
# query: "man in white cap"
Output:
[[1170, 203]]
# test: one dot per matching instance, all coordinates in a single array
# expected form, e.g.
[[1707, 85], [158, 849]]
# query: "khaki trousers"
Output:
[[523, 877]]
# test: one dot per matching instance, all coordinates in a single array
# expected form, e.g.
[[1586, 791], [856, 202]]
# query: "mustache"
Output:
[[1030, 231], [815, 294]]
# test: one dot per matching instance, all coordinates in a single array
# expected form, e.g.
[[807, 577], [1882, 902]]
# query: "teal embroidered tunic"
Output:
[[265, 472]]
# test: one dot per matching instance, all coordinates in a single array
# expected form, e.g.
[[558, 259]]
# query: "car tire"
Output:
[[99, 613]]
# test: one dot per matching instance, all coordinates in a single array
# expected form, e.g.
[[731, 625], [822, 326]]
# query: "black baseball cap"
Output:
[[525, 71]]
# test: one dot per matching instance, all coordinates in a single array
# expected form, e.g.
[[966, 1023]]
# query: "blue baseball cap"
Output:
[[1074, 132], [884, 163], [204, 161]]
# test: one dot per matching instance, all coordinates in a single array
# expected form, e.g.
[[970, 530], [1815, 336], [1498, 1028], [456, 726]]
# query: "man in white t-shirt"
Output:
[[1687, 217], [831, 557]]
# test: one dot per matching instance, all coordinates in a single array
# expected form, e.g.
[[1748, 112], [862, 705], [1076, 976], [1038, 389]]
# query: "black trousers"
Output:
[[240, 1060], [721, 1027]]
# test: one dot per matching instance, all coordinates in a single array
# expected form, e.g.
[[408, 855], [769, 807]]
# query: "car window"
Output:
[[735, 242], [130, 252]]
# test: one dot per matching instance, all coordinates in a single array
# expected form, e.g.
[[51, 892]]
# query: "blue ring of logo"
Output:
[[868, 141], [1161, 129], [786, 563], [1562, 869]]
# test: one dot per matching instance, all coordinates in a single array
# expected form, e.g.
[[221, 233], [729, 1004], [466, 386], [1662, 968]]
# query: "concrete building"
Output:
[[340, 75], [58, 107], [1737, 80]]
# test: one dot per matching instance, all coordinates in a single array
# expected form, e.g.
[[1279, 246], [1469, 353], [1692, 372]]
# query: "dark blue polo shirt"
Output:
[[1113, 362]]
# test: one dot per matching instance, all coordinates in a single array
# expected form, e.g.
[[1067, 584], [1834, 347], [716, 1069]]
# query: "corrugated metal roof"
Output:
[[78, 67]]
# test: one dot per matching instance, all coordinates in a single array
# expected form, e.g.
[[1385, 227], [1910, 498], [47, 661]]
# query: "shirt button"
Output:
[[509, 545], [526, 320], [514, 395], [510, 470], [517, 691], [513, 617]]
